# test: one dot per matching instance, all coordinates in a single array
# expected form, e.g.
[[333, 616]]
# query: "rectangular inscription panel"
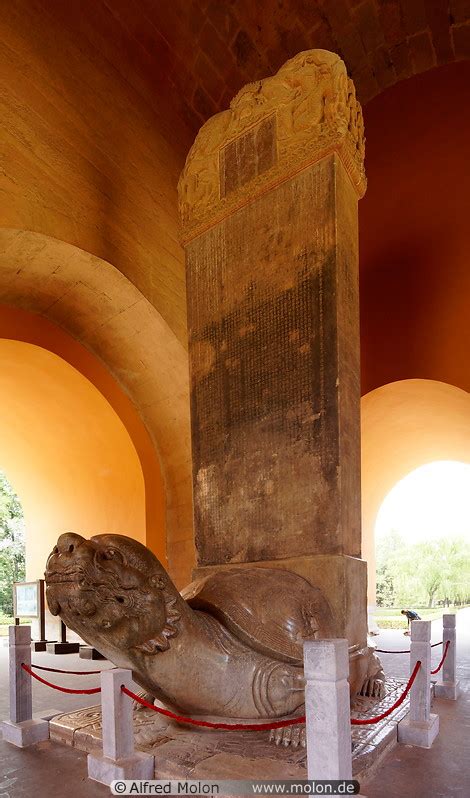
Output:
[[248, 156], [266, 343]]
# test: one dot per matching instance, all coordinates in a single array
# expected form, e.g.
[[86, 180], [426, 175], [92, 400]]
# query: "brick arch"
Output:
[[213, 50], [102, 310]]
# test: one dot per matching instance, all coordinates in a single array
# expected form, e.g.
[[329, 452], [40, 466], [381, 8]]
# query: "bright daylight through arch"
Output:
[[423, 538], [433, 501]]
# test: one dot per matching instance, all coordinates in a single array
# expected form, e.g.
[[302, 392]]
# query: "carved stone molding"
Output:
[[274, 128]]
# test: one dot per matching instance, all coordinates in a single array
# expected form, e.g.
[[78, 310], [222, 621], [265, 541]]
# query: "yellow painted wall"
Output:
[[65, 451]]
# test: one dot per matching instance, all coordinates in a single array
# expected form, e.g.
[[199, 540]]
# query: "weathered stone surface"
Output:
[[119, 760], [230, 646], [327, 709], [28, 732], [268, 200], [272, 294], [274, 128], [343, 579], [184, 752], [21, 701], [421, 727], [248, 156], [449, 686]]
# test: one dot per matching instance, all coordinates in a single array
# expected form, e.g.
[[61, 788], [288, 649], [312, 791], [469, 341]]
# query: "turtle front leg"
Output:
[[374, 683], [286, 690], [374, 687], [294, 736]]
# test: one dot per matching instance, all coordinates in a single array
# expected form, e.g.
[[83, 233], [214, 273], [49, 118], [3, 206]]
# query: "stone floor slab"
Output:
[[188, 752]]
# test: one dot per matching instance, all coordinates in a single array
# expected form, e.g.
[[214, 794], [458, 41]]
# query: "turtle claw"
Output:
[[380, 688], [293, 736], [296, 738], [373, 688], [146, 696], [275, 736]]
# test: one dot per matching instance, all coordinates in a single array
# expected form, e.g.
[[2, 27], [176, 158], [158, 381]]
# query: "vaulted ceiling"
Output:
[[208, 49]]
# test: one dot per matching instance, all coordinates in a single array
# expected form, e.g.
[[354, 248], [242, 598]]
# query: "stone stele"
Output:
[[268, 202]]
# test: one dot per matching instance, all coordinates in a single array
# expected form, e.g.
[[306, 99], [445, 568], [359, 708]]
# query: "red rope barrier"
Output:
[[58, 670], [443, 658], [56, 686], [267, 726], [407, 651], [280, 724], [364, 721]]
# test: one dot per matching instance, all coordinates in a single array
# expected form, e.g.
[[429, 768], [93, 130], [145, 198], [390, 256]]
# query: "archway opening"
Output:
[[12, 548], [422, 542], [117, 339], [66, 451], [410, 430]]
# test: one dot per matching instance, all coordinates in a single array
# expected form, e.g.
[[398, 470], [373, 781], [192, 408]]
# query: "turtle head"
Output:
[[113, 592]]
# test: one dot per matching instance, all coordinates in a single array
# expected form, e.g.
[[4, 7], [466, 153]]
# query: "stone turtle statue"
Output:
[[229, 646]]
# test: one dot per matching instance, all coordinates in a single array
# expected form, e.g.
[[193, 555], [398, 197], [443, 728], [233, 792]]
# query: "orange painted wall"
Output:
[[66, 452], [414, 231], [28, 327]]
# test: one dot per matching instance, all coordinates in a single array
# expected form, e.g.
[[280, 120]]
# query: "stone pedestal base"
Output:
[[28, 732], [88, 652], [188, 753], [63, 648], [104, 770], [447, 690], [41, 645], [420, 734]]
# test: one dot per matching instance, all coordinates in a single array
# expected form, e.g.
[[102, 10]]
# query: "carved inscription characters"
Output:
[[264, 365]]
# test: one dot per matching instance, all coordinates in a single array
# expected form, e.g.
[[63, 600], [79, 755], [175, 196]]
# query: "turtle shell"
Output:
[[271, 610]]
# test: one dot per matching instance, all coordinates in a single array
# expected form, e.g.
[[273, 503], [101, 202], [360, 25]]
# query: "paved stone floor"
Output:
[[444, 770], [55, 771]]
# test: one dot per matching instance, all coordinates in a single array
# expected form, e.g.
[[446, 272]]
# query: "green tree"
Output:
[[388, 550], [454, 555], [423, 573], [12, 550], [385, 593]]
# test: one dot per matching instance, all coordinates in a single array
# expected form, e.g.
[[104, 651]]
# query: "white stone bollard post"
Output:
[[449, 686], [21, 729], [420, 727], [119, 759], [327, 709]]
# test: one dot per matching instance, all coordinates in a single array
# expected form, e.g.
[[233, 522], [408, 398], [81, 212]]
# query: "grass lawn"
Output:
[[391, 618]]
